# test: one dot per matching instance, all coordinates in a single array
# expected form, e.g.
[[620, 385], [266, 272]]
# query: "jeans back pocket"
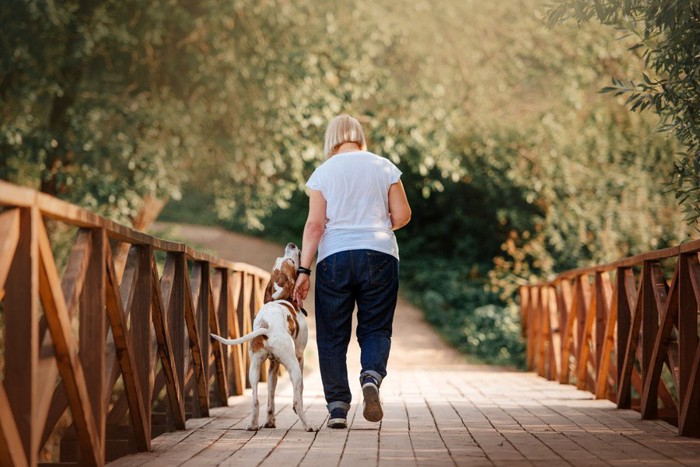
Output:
[[382, 268]]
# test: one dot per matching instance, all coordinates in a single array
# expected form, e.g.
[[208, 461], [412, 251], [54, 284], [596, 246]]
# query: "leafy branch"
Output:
[[668, 35]]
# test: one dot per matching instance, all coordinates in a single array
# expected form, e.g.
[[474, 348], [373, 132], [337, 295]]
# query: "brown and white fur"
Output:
[[280, 334]]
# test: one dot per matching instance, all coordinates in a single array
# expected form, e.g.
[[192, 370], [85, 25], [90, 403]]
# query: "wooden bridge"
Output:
[[112, 360]]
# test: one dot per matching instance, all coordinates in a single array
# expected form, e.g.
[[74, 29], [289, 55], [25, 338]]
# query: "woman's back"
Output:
[[355, 186]]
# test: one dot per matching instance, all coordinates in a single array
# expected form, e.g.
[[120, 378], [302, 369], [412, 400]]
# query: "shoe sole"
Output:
[[373, 407], [337, 423]]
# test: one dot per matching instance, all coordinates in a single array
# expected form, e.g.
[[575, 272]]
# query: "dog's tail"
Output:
[[240, 340]]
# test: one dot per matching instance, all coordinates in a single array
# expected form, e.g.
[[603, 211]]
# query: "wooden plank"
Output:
[[655, 255], [176, 316], [542, 331], [584, 338], [627, 289], [361, 446], [554, 335], [203, 312], [689, 299], [165, 347], [689, 417], [259, 292], [52, 407], [9, 237], [247, 325], [603, 290], [192, 290], [21, 314], [202, 391], [11, 449], [217, 347], [669, 304], [524, 294], [531, 340], [650, 314], [14, 195], [223, 308], [235, 332], [140, 330], [604, 365], [568, 312], [692, 246], [632, 339], [66, 349], [584, 299], [93, 331], [125, 354], [127, 291]]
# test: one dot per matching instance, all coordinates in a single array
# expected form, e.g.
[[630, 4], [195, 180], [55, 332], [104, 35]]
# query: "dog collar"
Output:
[[293, 306]]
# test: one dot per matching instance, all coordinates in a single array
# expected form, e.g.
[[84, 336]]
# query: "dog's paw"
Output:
[[311, 428], [270, 425], [252, 427]]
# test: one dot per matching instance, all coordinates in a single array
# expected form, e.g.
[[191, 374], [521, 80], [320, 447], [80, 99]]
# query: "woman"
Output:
[[356, 200]]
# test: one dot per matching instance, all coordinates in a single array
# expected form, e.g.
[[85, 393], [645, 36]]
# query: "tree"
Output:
[[667, 37]]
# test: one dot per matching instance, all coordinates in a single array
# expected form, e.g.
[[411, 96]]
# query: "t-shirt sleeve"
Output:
[[315, 181], [394, 174]]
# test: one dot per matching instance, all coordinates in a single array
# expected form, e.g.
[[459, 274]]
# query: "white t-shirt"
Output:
[[355, 186]]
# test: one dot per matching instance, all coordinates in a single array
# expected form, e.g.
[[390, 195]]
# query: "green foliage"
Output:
[[454, 301], [515, 165], [548, 174], [85, 113], [667, 38]]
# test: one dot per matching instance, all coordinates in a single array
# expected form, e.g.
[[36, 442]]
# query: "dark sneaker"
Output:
[[338, 418], [372, 405]]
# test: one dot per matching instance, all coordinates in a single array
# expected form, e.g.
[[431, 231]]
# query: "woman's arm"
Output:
[[399, 210], [313, 230]]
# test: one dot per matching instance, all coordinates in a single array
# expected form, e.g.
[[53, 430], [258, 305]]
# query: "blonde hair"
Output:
[[343, 129]]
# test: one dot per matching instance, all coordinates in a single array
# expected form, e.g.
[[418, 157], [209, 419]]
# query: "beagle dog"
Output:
[[279, 334]]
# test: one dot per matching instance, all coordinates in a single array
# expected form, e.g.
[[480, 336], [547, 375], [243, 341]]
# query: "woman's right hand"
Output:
[[301, 289]]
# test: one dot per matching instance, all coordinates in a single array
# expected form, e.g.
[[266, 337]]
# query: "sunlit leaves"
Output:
[[668, 39]]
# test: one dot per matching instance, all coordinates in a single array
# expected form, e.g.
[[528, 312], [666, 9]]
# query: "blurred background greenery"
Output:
[[515, 164]]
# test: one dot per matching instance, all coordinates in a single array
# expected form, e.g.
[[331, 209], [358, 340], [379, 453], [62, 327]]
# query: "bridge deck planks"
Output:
[[446, 416], [439, 410]]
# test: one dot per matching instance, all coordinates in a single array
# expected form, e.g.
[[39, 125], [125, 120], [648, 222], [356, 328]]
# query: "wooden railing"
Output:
[[125, 348], [623, 332]]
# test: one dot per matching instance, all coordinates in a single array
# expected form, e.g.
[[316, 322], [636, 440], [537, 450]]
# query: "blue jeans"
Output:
[[369, 279]]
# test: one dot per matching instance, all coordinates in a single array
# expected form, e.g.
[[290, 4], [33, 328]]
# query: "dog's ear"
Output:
[[270, 289], [289, 271], [282, 282]]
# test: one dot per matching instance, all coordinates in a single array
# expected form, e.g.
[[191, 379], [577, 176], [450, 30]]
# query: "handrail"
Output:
[[613, 328], [150, 330]]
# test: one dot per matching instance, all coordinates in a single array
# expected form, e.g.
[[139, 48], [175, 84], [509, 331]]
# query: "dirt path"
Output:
[[414, 344]]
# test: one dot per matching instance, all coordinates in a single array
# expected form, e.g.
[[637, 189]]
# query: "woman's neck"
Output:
[[348, 147]]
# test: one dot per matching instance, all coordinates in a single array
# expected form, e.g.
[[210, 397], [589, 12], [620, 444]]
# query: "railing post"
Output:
[[533, 319], [234, 323], [627, 287], [567, 319], [141, 329], [93, 336], [21, 307], [650, 325], [689, 346], [200, 298], [176, 320]]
